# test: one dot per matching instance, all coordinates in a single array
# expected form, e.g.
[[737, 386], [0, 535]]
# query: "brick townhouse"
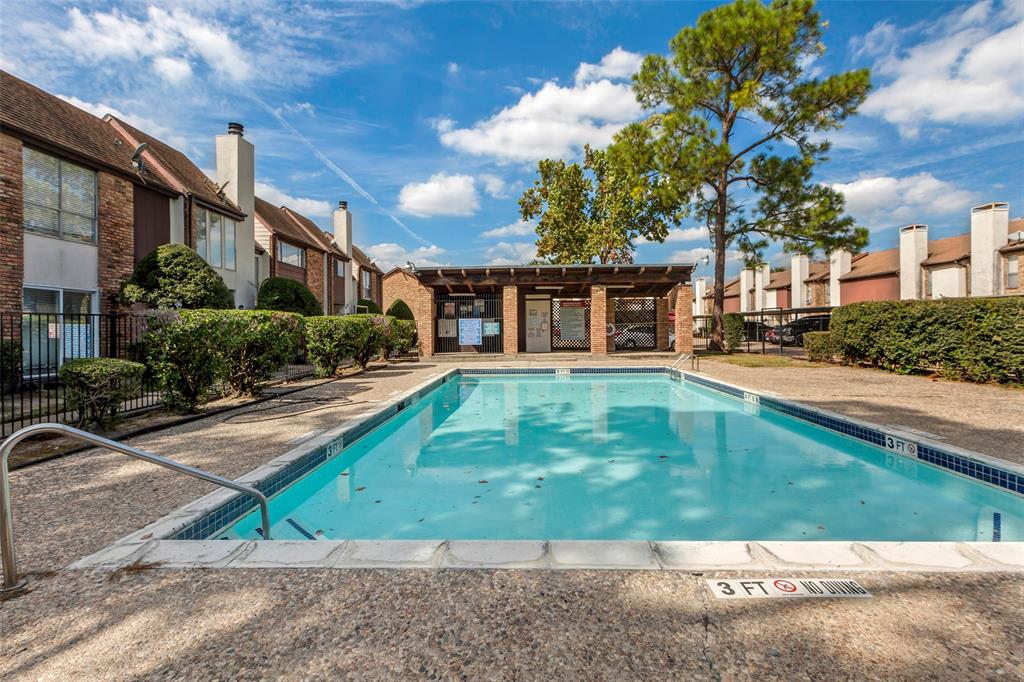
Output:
[[367, 278]]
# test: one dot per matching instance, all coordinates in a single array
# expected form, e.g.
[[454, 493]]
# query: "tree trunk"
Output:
[[717, 341]]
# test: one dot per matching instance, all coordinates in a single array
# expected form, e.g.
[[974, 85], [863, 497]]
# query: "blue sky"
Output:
[[429, 117]]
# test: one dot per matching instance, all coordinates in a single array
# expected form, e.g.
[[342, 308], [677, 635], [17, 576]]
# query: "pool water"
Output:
[[617, 457]]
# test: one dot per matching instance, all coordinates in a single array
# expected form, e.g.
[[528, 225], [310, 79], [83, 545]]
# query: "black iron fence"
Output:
[[772, 330], [33, 347], [470, 323]]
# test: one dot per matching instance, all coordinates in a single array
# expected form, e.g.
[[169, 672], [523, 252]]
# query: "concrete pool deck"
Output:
[[137, 622]]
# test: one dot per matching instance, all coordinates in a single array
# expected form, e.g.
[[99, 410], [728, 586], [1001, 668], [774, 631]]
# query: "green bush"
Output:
[[819, 346], [733, 329], [185, 355], [400, 310], [257, 344], [96, 387], [174, 276], [288, 296], [371, 306], [398, 336], [975, 339], [332, 340], [10, 362]]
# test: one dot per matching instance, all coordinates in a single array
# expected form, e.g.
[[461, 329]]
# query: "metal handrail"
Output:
[[10, 564], [692, 357]]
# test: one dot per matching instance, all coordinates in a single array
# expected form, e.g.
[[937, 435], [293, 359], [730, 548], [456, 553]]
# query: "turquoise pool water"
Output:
[[620, 456]]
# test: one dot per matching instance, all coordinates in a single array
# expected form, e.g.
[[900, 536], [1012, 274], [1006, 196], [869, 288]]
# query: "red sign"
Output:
[[671, 316], [571, 303]]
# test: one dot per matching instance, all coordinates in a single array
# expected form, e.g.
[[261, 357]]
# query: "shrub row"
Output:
[[820, 346], [976, 339], [330, 341], [733, 327], [95, 388]]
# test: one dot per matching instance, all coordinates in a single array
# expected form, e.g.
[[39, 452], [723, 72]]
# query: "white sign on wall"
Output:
[[470, 332], [572, 321]]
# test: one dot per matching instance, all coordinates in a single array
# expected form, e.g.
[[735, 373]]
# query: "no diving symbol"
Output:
[[784, 586]]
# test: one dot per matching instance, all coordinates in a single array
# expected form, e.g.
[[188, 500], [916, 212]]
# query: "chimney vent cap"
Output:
[[235, 129], [343, 205]]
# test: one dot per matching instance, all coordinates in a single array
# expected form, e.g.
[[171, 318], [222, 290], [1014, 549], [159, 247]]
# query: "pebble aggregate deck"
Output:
[[144, 623]]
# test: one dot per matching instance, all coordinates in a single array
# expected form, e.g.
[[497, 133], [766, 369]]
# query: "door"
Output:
[[538, 325], [152, 216]]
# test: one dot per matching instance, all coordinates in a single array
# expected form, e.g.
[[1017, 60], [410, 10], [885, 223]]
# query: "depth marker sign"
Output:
[[787, 588]]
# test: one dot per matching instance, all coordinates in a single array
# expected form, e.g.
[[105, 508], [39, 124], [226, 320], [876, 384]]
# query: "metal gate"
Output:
[[571, 337], [635, 324], [467, 323]]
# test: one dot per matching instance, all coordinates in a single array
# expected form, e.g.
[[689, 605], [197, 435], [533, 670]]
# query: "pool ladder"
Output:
[[692, 357], [10, 564]]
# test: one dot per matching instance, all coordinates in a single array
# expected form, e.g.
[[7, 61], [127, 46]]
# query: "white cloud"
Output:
[[693, 255], [677, 234], [511, 253], [147, 125], [453, 68], [494, 186], [172, 70], [311, 208], [516, 229], [299, 108], [389, 255], [968, 69], [884, 201], [442, 194], [553, 122], [616, 65]]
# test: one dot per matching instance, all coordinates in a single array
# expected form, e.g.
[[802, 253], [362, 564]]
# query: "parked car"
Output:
[[754, 330], [792, 333], [636, 336]]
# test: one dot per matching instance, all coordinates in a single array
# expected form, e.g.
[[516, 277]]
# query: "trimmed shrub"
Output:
[[10, 362], [371, 306], [288, 296], [96, 387], [819, 346], [257, 344], [975, 339], [185, 355], [332, 340], [399, 336], [400, 310], [733, 329], [174, 276]]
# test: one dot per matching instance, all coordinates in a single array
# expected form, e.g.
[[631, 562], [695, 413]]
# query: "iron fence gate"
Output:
[[468, 323], [772, 330], [570, 337], [636, 324]]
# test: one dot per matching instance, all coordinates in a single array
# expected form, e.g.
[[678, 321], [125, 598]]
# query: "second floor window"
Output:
[[1012, 272], [339, 268], [215, 238], [366, 283], [291, 255], [60, 197]]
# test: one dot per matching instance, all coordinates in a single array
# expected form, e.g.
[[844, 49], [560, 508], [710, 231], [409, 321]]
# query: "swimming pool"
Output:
[[623, 455]]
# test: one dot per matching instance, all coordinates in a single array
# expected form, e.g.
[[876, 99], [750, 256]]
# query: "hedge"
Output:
[[174, 276], [399, 309], [819, 346], [96, 387], [399, 336], [288, 296], [976, 339], [734, 328], [332, 340], [258, 343]]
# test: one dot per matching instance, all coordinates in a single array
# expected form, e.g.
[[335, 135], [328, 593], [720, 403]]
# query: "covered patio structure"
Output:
[[547, 308]]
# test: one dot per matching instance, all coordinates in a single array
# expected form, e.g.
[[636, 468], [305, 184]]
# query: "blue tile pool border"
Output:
[[223, 508]]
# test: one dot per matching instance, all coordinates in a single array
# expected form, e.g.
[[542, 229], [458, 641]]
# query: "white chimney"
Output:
[[342, 221], [913, 250], [990, 227], [800, 269], [746, 284], [236, 173], [839, 263], [761, 278], [700, 290]]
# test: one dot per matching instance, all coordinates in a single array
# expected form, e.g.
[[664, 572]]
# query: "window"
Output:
[[291, 255], [60, 197], [60, 326], [808, 296], [927, 283], [339, 268], [366, 284], [1012, 271], [828, 294], [215, 238]]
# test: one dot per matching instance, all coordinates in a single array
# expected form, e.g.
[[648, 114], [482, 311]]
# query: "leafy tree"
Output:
[[736, 131], [175, 276], [589, 211], [400, 309], [287, 296]]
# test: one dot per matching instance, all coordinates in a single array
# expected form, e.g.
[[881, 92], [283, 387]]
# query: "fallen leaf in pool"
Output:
[[481, 481], [360, 488], [663, 457], [536, 486], [344, 473], [540, 478]]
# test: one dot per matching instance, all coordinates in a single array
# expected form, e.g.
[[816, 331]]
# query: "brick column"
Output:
[[510, 319], [116, 235], [661, 324], [598, 319], [315, 275], [423, 311], [684, 318], [12, 250]]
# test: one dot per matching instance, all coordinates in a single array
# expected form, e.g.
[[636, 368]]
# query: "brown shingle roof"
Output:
[[780, 280], [183, 172], [873, 264], [948, 250], [279, 222], [817, 271], [732, 288], [50, 122]]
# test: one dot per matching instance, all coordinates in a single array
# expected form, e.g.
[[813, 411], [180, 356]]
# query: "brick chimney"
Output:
[[990, 227], [236, 172], [839, 263], [800, 269], [342, 221], [913, 250]]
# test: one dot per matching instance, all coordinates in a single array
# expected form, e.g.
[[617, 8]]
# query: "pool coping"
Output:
[[159, 543]]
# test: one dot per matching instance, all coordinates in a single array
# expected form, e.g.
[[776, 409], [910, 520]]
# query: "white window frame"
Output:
[[366, 284], [1014, 272], [203, 212], [94, 309], [300, 249], [60, 210]]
